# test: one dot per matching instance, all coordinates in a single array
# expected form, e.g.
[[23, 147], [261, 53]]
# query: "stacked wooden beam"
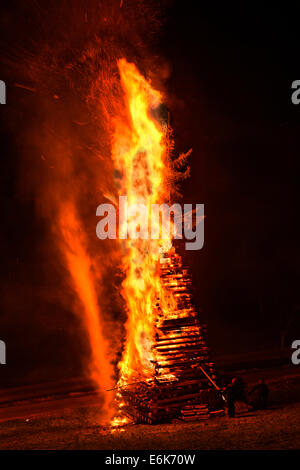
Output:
[[192, 412], [179, 388]]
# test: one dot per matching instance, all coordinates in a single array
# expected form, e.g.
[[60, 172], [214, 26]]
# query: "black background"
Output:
[[232, 69]]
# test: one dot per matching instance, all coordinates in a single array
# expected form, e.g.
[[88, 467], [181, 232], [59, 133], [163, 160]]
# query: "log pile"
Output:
[[179, 388], [192, 412]]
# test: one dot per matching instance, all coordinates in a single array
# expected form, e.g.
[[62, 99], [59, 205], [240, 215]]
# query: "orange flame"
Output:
[[80, 266], [141, 157]]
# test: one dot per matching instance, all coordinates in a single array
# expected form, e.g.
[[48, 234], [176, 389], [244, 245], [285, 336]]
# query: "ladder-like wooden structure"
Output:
[[179, 388]]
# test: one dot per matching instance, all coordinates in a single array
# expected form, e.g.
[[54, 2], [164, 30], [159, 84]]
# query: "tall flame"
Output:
[[141, 158], [79, 263]]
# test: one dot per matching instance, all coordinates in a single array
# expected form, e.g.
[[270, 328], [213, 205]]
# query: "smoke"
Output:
[[63, 61]]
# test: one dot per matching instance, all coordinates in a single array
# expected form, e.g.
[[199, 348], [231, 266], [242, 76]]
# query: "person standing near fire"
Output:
[[258, 395], [235, 391]]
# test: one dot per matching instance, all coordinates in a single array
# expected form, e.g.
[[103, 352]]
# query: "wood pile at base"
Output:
[[178, 388]]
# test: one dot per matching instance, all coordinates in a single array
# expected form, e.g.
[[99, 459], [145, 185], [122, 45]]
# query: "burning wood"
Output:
[[178, 388], [164, 350]]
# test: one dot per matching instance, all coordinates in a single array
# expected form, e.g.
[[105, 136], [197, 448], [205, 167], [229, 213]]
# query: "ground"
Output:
[[72, 423]]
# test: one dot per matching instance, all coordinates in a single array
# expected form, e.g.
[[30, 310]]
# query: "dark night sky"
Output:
[[232, 72], [230, 100]]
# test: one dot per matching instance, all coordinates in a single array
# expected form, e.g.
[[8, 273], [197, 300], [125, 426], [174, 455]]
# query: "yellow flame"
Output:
[[140, 155]]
